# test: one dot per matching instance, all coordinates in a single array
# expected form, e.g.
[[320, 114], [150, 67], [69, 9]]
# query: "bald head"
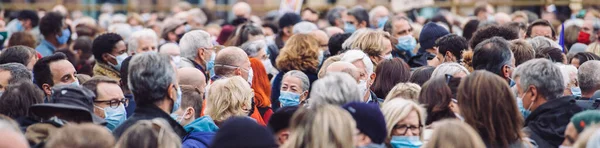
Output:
[[191, 76], [241, 9], [171, 49], [344, 67], [321, 36], [231, 59], [333, 30], [502, 18]]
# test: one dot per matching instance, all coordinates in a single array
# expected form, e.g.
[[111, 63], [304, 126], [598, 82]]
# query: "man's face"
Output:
[[588, 26], [62, 72], [401, 28], [106, 92], [352, 20], [145, 45], [119, 49], [4, 78], [309, 16], [570, 135], [540, 30]]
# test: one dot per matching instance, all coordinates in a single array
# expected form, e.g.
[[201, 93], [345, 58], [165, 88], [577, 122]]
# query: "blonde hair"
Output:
[[227, 97], [81, 135], [155, 133], [370, 41], [301, 52], [452, 133], [321, 126], [404, 90], [594, 48], [397, 109]]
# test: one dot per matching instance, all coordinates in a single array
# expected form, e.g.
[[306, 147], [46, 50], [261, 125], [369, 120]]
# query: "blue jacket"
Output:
[[201, 132], [45, 48]]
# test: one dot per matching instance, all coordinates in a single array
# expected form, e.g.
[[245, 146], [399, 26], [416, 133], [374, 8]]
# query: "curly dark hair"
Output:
[[51, 24], [43, 75], [491, 31], [104, 43], [453, 43]]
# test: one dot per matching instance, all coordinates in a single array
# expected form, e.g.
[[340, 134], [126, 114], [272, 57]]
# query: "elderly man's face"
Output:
[[540, 30], [146, 45]]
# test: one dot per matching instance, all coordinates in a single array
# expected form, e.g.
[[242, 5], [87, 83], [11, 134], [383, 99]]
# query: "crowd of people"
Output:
[[345, 78]]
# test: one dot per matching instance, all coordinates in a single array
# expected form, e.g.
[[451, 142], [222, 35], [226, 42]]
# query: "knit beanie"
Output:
[[243, 132], [585, 119], [429, 34], [369, 120]]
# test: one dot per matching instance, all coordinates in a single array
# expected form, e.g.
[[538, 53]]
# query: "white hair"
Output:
[[191, 41], [355, 55], [122, 29], [335, 88], [540, 42], [304, 28], [448, 68], [118, 18], [242, 6], [374, 11], [168, 46], [132, 43], [569, 72]]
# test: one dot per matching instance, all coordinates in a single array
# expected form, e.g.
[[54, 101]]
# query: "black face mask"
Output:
[[179, 36]]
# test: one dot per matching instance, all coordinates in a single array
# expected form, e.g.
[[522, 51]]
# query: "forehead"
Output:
[[292, 80], [541, 28], [61, 67], [401, 24]]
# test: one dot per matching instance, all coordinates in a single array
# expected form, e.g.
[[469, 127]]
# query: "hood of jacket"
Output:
[[202, 124], [550, 119]]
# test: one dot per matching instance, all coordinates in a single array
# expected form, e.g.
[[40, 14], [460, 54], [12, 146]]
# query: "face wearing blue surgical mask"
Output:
[[177, 102], [381, 21], [407, 43], [576, 91], [114, 116], [349, 27], [406, 142], [64, 37], [287, 98], [119, 59], [524, 111], [210, 64]]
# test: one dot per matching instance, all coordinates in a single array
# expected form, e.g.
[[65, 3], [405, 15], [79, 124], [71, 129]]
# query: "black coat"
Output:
[[546, 125], [148, 112]]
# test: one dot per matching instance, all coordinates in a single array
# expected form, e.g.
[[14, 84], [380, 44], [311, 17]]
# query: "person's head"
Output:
[[53, 70], [470, 28], [520, 16], [233, 61], [522, 50], [522, 27], [81, 135], [28, 19], [171, 49], [152, 80], [286, 23], [307, 126], [279, 123], [375, 44], [540, 42], [494, 55], [569, 74], [356, 18], [192, 99], [579, 122], [256, 49], [197, 45], [192, 77], [83, 47], [341, 66], [369, 122], [246, 33], [18, 97], [538, 81], [241, 10], [588, 78], [365, 68], [541, 28], [403, 118], [155, 133], [421, 75], [451, 47], [335, 16], [492, 111], [52, 26], [429, 34], [583, 57], [335, 88], [109, 102], [172, 30], [336, 41], [22, 38], [486, 33], [300, 53], [11, 134], [304, 27], [482, 12], [142, 41], [502, 18], [409, 91], [551, 53], [19, 54], [438, 100], [378, 16], [398, 27], [322, 37], [453, 133], [310, 15], [11, 73], [237, 130], [110, 48], [228, 97], [389, 73], [453, 69], [294, 88]]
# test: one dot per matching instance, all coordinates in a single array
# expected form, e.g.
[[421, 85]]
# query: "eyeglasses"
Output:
[[415, 130], [114, 103]]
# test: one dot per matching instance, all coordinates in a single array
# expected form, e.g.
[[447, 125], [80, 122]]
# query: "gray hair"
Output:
[[544, 75], [300, 75], [566, 71], [335, 88], [448, 68], [540, 42], [18, 72], [122, 29], [589, 76], [304, 28], [252, 48], [374, 11], [191, 41], [335, 14], [132, 43], [150, 75]]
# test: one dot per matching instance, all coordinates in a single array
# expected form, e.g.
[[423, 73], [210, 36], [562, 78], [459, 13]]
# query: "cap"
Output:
[[369, 120], [69, 101]]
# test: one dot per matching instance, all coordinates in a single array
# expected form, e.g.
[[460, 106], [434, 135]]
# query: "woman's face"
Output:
[[409, 126], [293, 84]]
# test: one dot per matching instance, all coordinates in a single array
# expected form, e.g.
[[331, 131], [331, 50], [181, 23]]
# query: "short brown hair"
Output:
[[192, 97], [22, 38], [522, 50], [81, 135], [92, 84]]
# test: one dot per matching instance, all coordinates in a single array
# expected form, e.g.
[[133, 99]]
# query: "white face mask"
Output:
[[176, 60], [362, 88]]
